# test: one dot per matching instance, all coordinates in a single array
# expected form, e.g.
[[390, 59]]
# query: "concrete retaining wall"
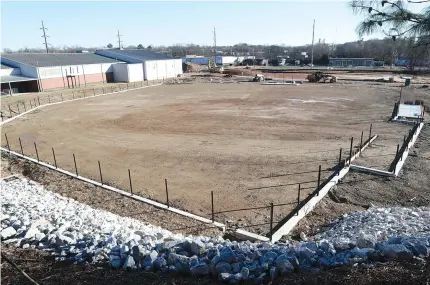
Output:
[[310, 205]]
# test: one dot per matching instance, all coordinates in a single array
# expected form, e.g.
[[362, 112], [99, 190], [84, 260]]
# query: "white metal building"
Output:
[[155, 66], [60, 70]]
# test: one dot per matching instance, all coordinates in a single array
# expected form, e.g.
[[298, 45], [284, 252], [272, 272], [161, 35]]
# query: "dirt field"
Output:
[[207, 137]]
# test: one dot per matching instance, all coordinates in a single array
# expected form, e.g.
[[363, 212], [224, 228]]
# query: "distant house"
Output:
[[345, 62]]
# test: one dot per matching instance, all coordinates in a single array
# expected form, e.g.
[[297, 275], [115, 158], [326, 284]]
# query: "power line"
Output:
[[45, 36], [119, 40]]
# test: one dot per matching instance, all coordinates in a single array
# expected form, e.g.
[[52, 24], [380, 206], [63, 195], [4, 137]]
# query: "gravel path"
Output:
[[33, 217]]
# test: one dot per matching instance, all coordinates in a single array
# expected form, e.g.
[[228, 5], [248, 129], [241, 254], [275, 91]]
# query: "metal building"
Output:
[[12, 81], [346, 62], [58, 70], [155, 66]]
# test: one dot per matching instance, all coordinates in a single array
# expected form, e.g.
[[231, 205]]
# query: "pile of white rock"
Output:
[[33, 217], [366, 228]]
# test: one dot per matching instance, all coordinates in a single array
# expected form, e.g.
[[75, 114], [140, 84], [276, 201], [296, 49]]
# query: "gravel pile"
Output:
[[378, 224], [33, 217]]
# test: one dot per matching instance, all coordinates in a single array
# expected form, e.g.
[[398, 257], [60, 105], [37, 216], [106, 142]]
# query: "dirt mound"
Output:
[[193, 67], [241, 71]]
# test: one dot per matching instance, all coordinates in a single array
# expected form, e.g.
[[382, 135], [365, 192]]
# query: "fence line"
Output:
[[38, 104], [119, 191]]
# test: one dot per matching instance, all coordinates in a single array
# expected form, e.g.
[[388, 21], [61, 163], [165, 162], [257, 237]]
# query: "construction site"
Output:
[[190, 164], [245, 142]]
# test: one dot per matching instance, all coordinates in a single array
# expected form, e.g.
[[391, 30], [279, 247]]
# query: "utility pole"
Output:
[[119, 40], [214, 43], [45, 36], [313, 36]]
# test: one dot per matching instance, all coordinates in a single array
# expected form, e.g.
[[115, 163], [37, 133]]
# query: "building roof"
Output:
[[15, 78], [139, 54], [343, 58], [57, 59], [4, 66]]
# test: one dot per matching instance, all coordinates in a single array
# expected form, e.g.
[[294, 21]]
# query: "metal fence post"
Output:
[[17, 105], [7, 142], [350, 150], [370, 131], [298, 196], [361, 141], [404, 139], [76, 168], [271, 221], [37, 153], [167, 193], [129, 178], [25, 108], [31, 106], [20, 144], [100, 171], [35, 104], [94, 91], [38, 100], [397, 152], [62, 99], [84, 93], [10, 111], [212, 202], [340, 160], [55, 160], [319, 179]]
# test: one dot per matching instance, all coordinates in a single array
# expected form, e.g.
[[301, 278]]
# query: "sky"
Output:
[[95, 24]]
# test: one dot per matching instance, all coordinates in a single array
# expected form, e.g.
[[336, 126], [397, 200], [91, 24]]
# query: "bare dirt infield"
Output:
[[207, 137]]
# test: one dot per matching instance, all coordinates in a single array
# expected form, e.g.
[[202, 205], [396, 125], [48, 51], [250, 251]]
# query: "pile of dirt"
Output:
[[193, 67], [241, 71]]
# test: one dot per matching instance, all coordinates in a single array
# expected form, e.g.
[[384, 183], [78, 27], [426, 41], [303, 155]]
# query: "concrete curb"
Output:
[[310, 205], [60, 102], [119, 191], [371, 170], [404, 155]]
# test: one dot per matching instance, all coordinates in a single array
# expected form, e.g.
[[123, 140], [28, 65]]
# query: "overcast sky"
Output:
[[95, 24]]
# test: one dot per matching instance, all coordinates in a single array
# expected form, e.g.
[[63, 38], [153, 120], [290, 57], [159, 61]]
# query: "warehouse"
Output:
[[154, 66], [59, 70]]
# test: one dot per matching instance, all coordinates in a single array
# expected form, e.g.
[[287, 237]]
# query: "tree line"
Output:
[[385, 50]]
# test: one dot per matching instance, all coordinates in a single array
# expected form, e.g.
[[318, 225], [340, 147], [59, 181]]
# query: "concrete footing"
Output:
[[119, 191]]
